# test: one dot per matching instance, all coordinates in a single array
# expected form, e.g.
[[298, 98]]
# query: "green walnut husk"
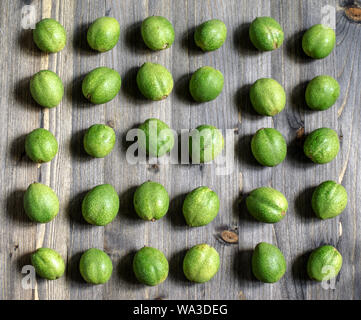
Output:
[[150, 266], [49, 35], [46, 88], [269, 147], [155, 137], [154, 81], [95, 266], [210, 35], [322, 145], [151, 201], [322, 92], [103, 34], [329, 200], [41, 145], [267, 205], [268, 263], [100, 205], [324, 263], [201, 263], [101, 85], [41, 204], [99, 140], [319, 41], [200, 207], [266, 34], [157, 33], [48, 263], [268, 97], [205, 144], [206, 84]]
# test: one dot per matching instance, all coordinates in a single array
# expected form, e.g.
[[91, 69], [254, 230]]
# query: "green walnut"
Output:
[[324, 263], [268, 97], [41, 204], [329, 200], [99, 140], [200, 207], [48, 263], [155, 137], [154, 81], [151, 201], [101, 85], [150, 266], [201, 263], [41, 145], [100, 205], [268, 263], [322, 145], [157, 33], [266, 34], [46, 88], [206, 84], [210, 35], [318, 41], [269, 147], [205, 143], [267, 205], [322, 92], [49, 35], [103, 34], [95, 266]]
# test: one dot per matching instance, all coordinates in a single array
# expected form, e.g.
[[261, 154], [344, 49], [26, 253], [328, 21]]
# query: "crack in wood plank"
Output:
[[344, 167], [339, 229], [340, 110]]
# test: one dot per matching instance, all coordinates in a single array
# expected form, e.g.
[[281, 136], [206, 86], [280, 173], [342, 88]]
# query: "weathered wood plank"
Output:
[[348, 74], [72, 173]]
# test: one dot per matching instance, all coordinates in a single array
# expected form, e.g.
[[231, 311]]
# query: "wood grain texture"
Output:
[[72, 173]]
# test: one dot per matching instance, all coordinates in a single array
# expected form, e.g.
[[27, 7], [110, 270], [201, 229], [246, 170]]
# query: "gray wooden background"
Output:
[[72, 173]]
